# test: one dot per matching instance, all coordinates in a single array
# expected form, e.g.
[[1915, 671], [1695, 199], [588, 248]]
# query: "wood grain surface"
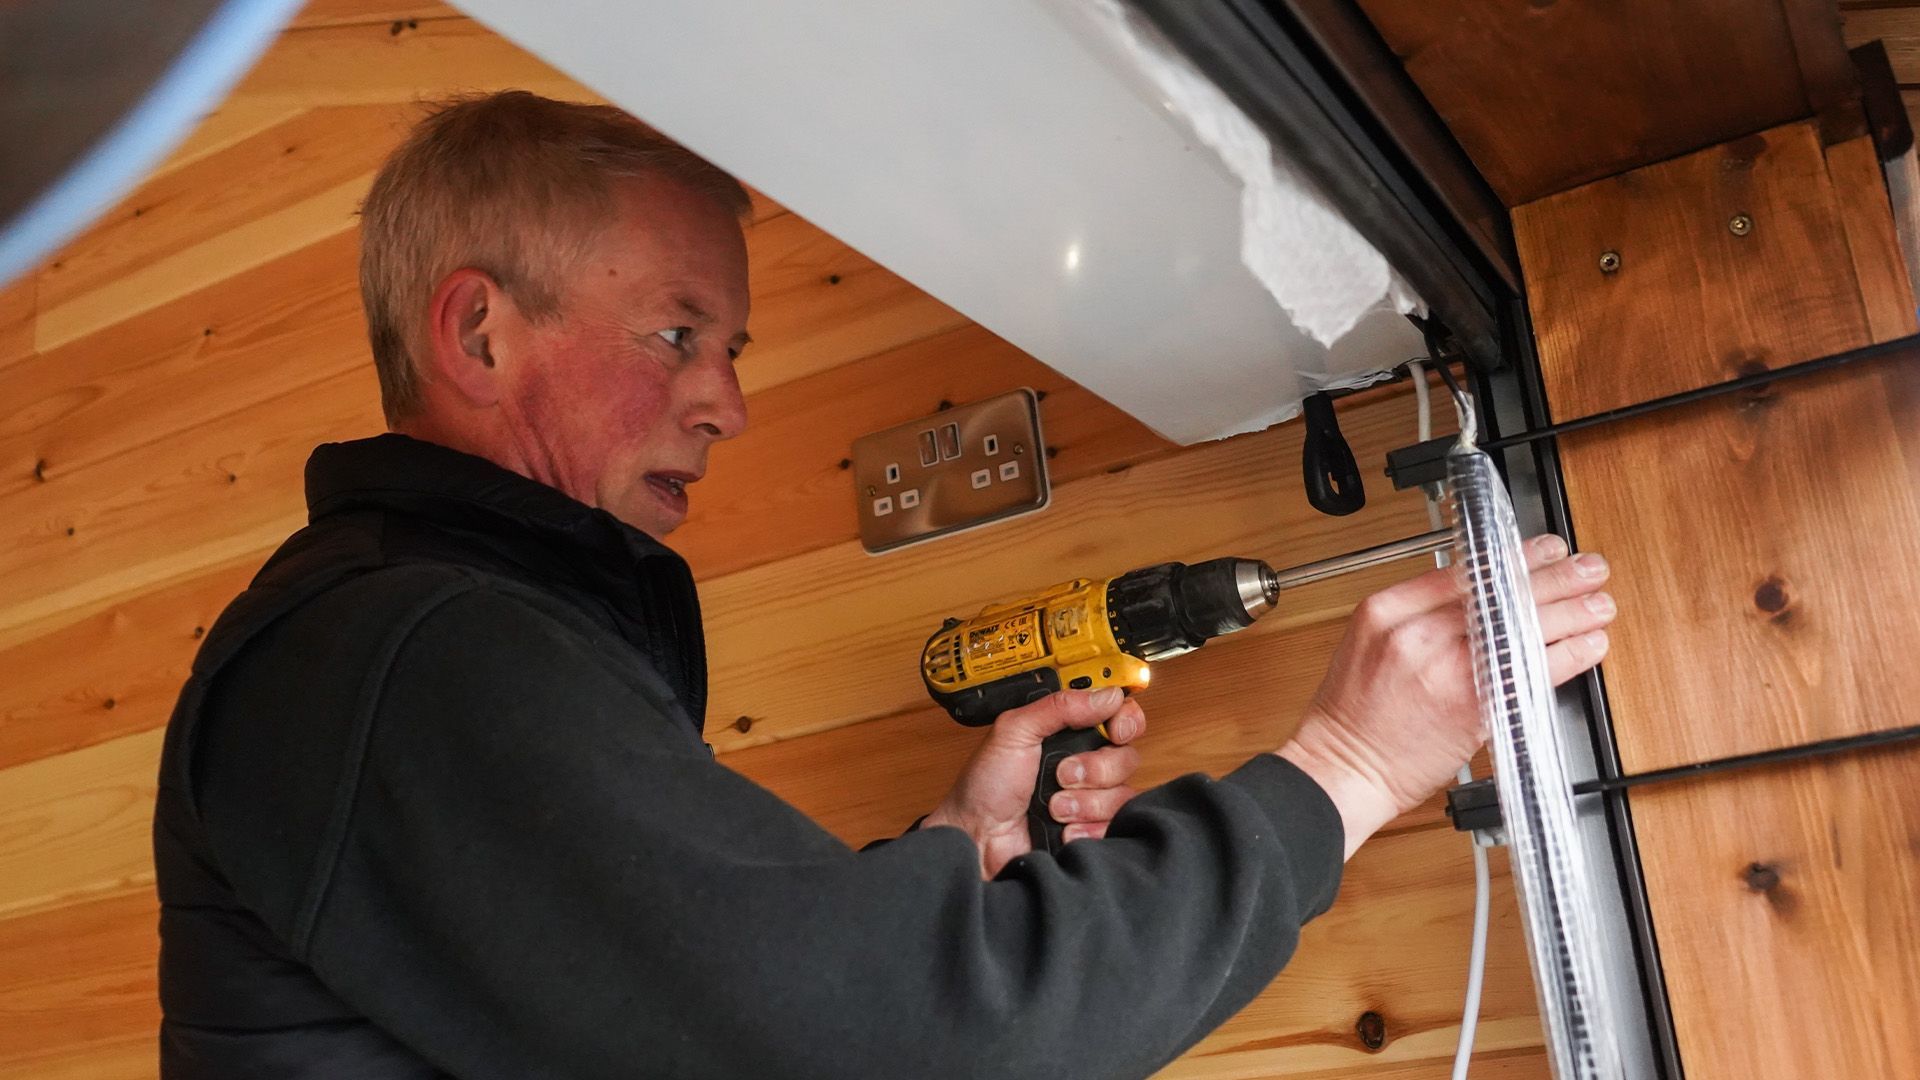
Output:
[[163, 378], [1545, 96], [1785, 904], [1763, 548], [1728, 303]]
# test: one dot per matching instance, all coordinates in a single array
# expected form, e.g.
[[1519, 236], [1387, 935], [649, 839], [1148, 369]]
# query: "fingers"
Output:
[[1565, 578], [1396, 604], [1570, 618], [1128, 724], [1070, 807], [1106, 767], [1093, 831], [1439, 588], [1574, 655], [1031, 724]]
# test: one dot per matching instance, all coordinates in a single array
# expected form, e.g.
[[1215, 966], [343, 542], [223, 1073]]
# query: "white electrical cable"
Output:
[[1482, 880]]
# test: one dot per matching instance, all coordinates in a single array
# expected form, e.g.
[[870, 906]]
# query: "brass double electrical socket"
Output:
[[953, 470]]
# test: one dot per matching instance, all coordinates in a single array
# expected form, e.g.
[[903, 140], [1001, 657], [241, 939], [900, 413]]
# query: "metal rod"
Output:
[[1824, 748], [1295, 576], [1875, 351]]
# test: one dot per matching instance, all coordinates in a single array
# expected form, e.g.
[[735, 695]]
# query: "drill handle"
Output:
[[1047, 834]]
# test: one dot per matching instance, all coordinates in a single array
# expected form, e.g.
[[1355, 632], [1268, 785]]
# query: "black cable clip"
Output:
[[1333, 478]]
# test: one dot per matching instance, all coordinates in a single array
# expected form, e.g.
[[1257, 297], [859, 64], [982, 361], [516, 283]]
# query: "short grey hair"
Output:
[[511, 184]]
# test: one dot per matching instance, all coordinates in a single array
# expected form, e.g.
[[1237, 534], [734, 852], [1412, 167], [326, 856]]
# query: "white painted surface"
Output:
[[994, 155]]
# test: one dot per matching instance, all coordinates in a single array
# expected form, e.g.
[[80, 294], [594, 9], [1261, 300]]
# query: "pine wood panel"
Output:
[[1783, 528], [211, 493], [1886, 295], [1405, 959], [367, 63], [114, 672], [338, 12], [78, 825], [1785, 902], [1728, 308], [775, 663], [18, 300], [1762, 548], [1524, 1064], [1547, 96], [78, 990], [1708, 306], [817, 304], [240, 342], [149, 239]]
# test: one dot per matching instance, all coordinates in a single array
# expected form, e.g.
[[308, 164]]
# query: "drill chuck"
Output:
[[1173, 608]]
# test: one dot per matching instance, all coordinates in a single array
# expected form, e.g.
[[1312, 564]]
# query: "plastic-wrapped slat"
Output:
[[1536, 799]]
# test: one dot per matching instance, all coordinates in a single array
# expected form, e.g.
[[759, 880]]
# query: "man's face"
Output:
[[617, 400]]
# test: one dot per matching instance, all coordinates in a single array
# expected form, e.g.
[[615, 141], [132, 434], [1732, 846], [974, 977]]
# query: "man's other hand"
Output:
[[1397, 714], [990, 799]]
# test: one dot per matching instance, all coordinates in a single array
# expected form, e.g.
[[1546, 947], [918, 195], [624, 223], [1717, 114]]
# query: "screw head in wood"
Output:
[[1609, 261], [1740, 225]]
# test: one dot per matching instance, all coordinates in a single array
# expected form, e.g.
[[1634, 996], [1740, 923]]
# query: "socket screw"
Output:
[[1740, 225], [1609, 262]]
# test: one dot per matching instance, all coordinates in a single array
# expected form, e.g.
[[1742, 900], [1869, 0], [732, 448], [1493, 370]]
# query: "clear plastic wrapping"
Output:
[[1536, 798]]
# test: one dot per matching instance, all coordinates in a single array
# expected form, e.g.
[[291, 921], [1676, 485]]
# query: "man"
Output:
[[435, 801]]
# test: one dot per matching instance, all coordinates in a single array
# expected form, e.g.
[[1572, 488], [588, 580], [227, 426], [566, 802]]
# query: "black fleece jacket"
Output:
[[434, 803]]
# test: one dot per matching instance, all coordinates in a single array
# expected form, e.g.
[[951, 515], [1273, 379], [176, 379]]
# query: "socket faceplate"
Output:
[[953, 470]]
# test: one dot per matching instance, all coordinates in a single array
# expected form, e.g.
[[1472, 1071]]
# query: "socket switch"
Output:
[[956, 469]]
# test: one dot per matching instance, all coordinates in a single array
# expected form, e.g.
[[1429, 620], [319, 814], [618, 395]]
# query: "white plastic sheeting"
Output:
[[1037, 166]]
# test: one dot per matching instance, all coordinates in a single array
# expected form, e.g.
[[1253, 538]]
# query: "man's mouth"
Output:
[[671, 488]]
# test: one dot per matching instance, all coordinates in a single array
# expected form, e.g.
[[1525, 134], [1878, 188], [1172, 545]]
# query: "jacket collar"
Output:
[[643, 585], [398, 472]]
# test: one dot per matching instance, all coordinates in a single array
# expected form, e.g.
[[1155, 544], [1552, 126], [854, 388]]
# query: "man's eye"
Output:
[[676, 336]]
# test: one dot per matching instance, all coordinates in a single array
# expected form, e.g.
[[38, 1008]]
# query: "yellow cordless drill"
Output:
[[1091, 633]]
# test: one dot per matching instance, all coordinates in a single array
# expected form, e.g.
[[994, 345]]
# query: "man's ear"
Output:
[[465, 314]]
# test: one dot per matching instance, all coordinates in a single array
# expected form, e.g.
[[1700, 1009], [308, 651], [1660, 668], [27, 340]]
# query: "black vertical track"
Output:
[[1524, 364]]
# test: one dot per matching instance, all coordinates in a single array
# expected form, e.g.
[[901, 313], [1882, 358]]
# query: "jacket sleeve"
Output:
[[529, 867]]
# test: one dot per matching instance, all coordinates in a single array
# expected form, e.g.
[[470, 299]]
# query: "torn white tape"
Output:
[[1323, 273]]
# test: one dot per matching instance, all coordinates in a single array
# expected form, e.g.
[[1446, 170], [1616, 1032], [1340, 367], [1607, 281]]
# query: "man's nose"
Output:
[[716, 407]]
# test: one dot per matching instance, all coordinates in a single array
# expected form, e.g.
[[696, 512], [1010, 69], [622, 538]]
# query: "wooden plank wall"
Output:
[[163, 378], [1763, 547]]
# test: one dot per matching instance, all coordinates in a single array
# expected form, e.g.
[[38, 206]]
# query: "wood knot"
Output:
[[111, 703], [1767, 880], [846, 463], [743, 725], [944, 405], [1372, 1029], [833, 279], [1052, 452], [1771, 596], [1774, 596], [40, 469], [199, 632]]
